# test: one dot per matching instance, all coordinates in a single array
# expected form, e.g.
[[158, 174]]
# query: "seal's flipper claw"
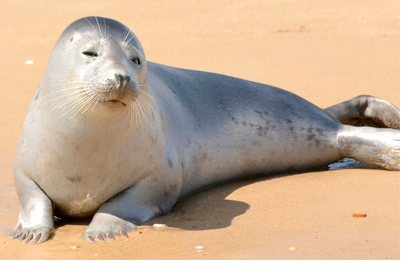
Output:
[[104, 226], [32, 235]]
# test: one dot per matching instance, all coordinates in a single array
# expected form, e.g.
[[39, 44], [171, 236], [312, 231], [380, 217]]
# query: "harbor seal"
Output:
[[112, 136]]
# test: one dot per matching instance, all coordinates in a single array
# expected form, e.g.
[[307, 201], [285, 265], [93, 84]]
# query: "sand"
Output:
[[325, 51]]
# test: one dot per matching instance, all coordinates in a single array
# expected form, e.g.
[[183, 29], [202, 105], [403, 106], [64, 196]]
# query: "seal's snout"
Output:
[[122, 81]]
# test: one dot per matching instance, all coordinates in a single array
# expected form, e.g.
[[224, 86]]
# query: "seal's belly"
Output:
[[78, 183], [81, 195]]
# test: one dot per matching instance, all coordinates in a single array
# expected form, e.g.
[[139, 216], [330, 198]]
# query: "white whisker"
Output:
[[128, 42], [59, 97], [99, 27], [128, 32], [69, 100], [86, 105], [93, 28], [97, 101], [71, 106], [105, 26]]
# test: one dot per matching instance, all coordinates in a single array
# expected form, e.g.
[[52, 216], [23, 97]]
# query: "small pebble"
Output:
[[199, 248], [159, 225], [29, 62], [292, 249]]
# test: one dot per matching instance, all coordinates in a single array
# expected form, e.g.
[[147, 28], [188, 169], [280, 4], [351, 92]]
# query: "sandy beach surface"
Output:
[[326, 51]]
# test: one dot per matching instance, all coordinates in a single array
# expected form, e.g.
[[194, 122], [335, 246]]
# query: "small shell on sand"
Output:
[[29, 62]]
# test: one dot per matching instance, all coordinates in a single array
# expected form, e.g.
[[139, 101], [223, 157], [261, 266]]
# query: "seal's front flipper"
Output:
[[128, 209], [365, 110], [105, 225], [377, 146], [35, 211]]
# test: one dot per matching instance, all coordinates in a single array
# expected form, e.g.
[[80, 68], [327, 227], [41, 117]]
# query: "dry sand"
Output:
[[326, 51]]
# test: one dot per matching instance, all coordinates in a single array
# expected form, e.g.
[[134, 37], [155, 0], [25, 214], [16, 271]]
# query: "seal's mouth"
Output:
[[113, 102]]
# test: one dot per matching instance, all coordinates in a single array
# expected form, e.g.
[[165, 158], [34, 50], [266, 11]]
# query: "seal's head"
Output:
[[98, 66]]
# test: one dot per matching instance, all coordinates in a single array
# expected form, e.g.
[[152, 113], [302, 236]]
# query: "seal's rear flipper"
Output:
[[377, 146], [366, 110]]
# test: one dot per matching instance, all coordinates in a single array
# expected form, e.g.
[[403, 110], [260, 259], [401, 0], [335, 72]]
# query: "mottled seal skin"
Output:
[[115, 137]]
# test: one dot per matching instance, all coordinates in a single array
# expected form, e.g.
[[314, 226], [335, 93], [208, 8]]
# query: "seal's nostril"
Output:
[[122, 80]]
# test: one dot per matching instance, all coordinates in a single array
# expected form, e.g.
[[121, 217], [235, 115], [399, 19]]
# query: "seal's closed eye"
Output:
[[90, 53]]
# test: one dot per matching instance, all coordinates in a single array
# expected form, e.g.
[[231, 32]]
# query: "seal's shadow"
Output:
[[203, 210], [209, 209], [206, 209]]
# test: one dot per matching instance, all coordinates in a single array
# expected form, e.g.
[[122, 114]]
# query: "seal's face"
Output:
[[99, 66]]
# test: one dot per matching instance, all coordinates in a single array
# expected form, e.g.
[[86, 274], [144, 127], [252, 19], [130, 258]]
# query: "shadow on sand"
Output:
[[209, 209]]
